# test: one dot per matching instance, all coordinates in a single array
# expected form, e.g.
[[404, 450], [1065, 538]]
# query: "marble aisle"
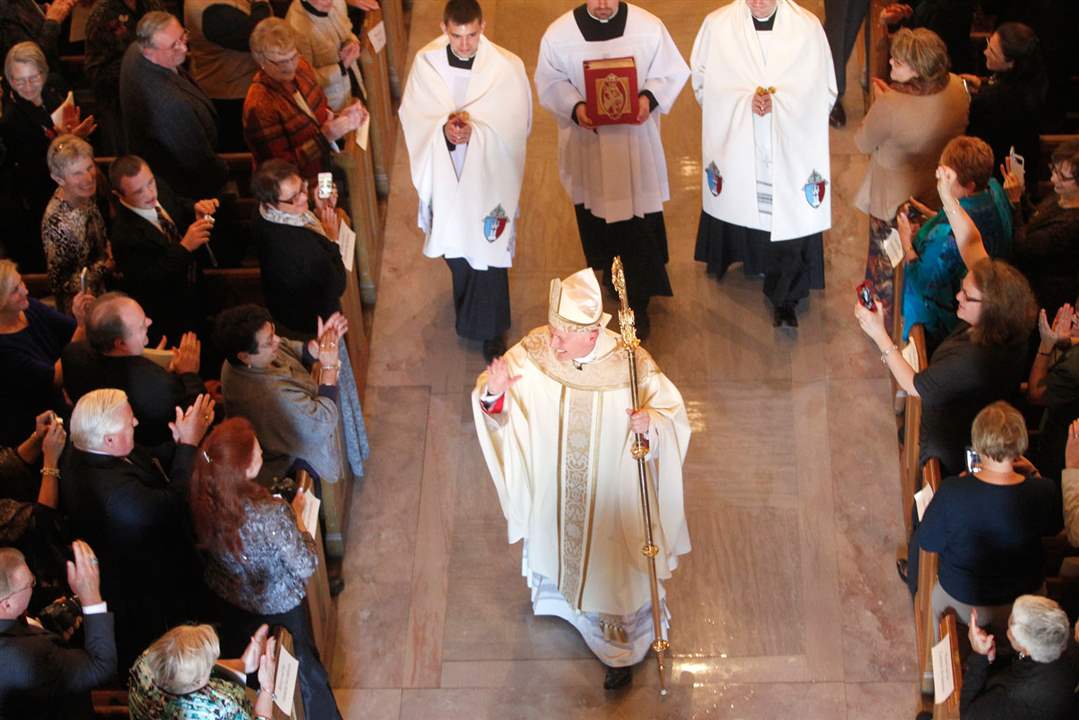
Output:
[[788, 605]]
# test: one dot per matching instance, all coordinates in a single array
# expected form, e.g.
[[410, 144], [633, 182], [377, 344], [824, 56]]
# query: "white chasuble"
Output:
[[730, 61], [468, 209], [559, 455], [618, 171]]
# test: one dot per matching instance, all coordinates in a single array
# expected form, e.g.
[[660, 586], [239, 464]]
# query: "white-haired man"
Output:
[[43, 677], [130, 502], [555, 423]]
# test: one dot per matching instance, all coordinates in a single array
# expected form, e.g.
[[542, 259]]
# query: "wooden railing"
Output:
[[910, 467], [925, 625], [949, 628], [284, 642]]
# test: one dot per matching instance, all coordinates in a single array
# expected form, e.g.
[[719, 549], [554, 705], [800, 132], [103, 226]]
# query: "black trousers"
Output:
[[842, 18], [481, 300], [641, 242], [237, 627]]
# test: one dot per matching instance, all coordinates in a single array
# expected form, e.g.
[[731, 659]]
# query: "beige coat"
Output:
[[905, 135], [319, 41]]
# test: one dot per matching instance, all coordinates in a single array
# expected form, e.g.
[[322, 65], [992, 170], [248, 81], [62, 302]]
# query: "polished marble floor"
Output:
[[788, 606]]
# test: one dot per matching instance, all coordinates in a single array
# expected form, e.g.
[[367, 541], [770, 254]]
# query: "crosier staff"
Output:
[[639, 450]]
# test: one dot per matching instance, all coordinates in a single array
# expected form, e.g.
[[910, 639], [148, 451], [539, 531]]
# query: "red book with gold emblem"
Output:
[[611, 91]]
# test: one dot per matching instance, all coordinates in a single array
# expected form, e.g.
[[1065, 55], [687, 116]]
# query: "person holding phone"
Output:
[[916, 112], [987, 525]]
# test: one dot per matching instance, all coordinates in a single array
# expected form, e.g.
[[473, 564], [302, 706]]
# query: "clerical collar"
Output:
[[766, 23], [596, 30], [313, 10], [457, 61]]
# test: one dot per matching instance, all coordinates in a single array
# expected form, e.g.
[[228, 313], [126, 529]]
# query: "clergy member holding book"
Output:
[[555, 420], [763, 74], [466, 114], [611, 163]]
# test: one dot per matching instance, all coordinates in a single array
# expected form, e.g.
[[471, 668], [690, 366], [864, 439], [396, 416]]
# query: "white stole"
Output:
[[471, 214], [619, 171], [728, 66]]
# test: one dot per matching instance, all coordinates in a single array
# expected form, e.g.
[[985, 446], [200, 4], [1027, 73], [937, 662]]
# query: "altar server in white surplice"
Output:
[[763, 74], [616, 175], [555, 424], [466, 114]]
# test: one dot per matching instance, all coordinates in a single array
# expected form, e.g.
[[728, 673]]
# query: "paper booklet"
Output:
[[65, 115], [893, 247], [611, 91], [285, 681], [943, 681], [346, 241], [910, 354], [159, 357]]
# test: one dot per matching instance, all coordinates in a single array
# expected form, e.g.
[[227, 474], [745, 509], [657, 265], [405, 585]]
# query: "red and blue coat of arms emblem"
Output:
[[814, 189], [495, 224]]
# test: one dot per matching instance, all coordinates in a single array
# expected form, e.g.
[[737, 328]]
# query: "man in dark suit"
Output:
[[117, 331], [161, 243], [168, 119], [842, 19], [41, 677], [130, 502]]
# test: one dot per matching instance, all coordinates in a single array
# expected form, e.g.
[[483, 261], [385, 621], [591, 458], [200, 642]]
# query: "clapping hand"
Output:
[[268, 667], [255, 649], [299, 503], [191, 425], [880, 87], [498, 376], [349, 52], [981, 642], [1071, 449], [186, 358], [53, 444], [83, 575], [906, 231], [1059, 333], [329, 333]]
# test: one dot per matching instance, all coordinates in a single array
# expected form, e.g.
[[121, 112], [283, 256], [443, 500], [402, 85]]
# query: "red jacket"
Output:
[[275, 126]]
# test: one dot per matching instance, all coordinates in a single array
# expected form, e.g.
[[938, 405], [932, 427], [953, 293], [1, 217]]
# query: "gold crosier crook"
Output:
[[639, 449]]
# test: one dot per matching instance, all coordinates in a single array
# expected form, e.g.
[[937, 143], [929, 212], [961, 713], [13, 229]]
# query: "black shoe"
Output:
[[902, 568], [617, 677], [337, 585], [787, 315], [493, 348], [838, 117], [777, 317]]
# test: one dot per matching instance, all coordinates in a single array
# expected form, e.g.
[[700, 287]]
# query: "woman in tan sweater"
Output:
[[911, 120]]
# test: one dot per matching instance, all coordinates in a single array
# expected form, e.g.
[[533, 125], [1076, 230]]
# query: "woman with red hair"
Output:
[[258, 553]]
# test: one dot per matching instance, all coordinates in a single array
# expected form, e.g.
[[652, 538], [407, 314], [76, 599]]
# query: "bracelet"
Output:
[[884, 355], [51, 472], [329, 367]]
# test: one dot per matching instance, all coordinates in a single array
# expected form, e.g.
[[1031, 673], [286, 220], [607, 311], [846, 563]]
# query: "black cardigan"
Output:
[[303, 276]]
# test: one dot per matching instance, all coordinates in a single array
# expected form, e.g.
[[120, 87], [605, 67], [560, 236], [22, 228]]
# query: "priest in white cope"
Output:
[[763, 74], [616, 175], [466, 114], [555, 423]]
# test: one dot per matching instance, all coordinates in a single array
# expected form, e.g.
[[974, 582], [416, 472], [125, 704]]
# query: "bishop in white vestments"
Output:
[[555, 423], [616, 175], [763, 74], [466, 114]]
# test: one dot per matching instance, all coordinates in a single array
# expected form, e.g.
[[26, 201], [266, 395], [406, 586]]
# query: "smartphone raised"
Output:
[[865, 295], [325, 185]]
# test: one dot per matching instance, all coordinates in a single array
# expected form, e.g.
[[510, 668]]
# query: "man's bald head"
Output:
[[116, 325]]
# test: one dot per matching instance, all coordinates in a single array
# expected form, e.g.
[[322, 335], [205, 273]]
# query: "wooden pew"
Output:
[[284, 641], [1049, 143], [393, 12], [910, 468], [925, 627], [109, 703], [374, 65], [949, 709], [318, 598]]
